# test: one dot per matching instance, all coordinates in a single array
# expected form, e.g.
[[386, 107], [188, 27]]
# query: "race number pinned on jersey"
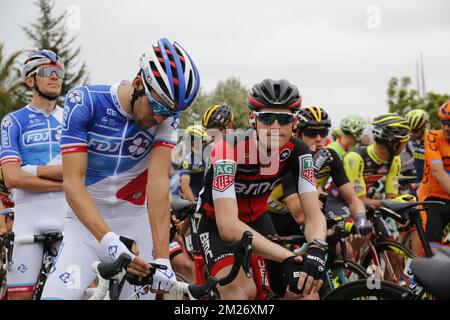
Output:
[[223, 177], [307, 168]]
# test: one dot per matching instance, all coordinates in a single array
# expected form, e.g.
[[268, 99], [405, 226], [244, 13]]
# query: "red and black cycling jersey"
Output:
[[236, 169]]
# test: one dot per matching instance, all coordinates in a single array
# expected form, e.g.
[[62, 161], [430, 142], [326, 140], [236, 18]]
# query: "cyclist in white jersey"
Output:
[[31, 165], [116, 145]]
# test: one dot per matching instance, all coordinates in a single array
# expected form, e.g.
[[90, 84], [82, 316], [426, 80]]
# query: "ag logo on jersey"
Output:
[[285, 154], [306, 168], [224, 171]]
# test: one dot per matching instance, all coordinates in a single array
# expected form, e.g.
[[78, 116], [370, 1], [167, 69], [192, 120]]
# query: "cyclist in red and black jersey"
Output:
[[239, 177]]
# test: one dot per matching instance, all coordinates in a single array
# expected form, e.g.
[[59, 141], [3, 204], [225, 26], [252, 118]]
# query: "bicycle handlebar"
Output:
[[108, 270]]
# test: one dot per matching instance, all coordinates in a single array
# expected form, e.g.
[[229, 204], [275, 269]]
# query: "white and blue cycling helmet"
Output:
[[171, 73]]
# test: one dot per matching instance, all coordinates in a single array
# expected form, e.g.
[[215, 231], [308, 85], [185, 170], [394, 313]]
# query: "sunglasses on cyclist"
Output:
[[48, 71], [157, 107], [312, 133], [269, 117]]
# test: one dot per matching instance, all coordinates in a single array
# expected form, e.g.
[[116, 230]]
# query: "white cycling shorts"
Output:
[[33, 218], [71, 274]]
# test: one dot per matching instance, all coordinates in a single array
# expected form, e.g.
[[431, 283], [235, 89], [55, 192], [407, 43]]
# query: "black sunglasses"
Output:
[[312, 133], [269, 117]]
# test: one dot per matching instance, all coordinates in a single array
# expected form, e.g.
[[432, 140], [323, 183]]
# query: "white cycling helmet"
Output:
[[39, 58], [170, 71]]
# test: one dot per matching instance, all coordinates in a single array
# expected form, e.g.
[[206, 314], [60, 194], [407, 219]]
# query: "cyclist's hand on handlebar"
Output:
[[313, 269], [115, 246], [177, 223], [163, 280], [362, 225]]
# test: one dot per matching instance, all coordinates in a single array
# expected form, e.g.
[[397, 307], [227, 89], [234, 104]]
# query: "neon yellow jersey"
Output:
[[275, 202], [364, 168]]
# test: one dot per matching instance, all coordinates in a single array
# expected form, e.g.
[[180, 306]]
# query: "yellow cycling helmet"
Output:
[[390, 126], [197, 131], [217, 116], [417, 118]]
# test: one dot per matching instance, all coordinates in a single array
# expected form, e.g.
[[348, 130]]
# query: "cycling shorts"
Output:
[[437, 219], [33, 218], [215, 251], [71, 273]]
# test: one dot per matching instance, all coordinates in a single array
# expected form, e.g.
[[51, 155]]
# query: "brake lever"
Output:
[[248, 251]]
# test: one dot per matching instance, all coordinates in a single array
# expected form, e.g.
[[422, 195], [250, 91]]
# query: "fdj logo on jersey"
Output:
[[306, 168], [223, 174], [34, 137]]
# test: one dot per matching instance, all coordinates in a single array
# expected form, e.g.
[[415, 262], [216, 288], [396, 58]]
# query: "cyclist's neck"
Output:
[[44, 105], [381, 152], [346, 142], [124, 92]]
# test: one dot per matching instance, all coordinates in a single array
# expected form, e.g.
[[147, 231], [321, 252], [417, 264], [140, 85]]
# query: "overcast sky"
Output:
[[341, 54]]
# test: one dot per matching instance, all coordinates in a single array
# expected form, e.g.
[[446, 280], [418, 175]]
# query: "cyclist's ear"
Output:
[[251, 118], [29, 81], [137, 83]]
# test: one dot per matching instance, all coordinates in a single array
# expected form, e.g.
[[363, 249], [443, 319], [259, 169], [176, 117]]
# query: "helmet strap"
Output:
[[136, 95]]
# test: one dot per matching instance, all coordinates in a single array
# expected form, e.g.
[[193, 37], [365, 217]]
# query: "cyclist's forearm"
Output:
[[442, 177], [31, 183], [354, 203], [315, 227], [50, 172], [159, 215], [186, 190], [295, 207], [370, 202], [315, 223], [2, 224], [84, 208]]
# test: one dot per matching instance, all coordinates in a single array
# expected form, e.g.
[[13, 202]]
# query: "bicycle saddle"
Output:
[[400, 207], [433, 274], [180, 204]]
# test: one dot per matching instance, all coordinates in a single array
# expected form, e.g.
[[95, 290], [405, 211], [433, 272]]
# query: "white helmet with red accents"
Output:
[[39, 58], [169, 70]]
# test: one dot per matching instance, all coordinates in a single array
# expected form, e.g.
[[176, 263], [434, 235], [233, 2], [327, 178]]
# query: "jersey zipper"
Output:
[[49, 138]]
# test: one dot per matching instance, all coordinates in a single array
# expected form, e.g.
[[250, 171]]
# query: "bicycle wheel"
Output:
[[366, 290], [390, 264], [339, 274]]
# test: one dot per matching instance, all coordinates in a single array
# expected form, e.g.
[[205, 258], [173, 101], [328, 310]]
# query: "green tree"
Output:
[[432, 104], [232, 92], [10, 83], [401, 99], [49, 32]]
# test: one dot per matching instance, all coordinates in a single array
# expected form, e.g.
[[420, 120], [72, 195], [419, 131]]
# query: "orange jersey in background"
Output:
[[437, 150]]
